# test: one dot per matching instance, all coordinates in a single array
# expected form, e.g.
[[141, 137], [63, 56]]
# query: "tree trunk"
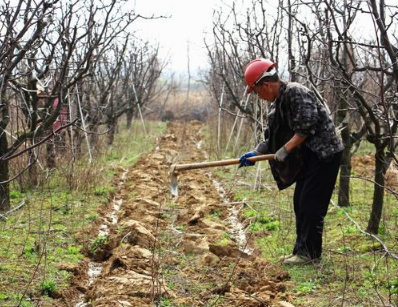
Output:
[[345, 169], [111, 130], [292, 60], [94, 135], [378, 193], [344, 118], [129, 118], [33, 177], [50, 154], [4, 175], [78, 138]]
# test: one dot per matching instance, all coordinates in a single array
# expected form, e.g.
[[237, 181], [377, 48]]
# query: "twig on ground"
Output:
[[3, 217], [125, 236], [23, 203], [367, 233]]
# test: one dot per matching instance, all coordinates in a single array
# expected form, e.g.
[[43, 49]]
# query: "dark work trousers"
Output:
[[314, 188]]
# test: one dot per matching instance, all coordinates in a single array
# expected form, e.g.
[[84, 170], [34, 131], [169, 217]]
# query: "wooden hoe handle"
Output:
[[184, 167]]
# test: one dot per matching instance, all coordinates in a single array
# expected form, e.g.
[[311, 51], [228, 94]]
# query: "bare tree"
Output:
[[109, 103], [355, 77], [143, 68], [37, 45], [384, 133], [240, 35], [368, 83], [22, 27]]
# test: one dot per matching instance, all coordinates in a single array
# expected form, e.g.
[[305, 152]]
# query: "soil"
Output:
[[167, 251], [364, 166]]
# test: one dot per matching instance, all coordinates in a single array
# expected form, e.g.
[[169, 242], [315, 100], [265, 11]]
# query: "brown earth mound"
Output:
[[165, 251], [364, 166]]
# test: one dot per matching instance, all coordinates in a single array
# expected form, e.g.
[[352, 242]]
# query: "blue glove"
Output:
[[243, 159]]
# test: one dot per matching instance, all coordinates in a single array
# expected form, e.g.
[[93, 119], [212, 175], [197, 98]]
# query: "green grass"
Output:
[[99, 242], [226, 240], [165, 302], [214, 216], [365, 148], [48, 287], [41, 236]]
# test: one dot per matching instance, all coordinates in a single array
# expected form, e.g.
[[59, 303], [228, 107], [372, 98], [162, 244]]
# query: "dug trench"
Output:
[[162, 251]]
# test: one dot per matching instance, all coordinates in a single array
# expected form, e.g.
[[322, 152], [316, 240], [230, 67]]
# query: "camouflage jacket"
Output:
[[304, 114]]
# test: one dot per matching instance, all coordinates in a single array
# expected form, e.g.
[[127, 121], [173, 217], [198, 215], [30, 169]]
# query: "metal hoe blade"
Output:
[[175, 168]]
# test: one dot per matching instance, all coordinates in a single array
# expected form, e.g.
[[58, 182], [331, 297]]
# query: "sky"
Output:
[[186, 24], [185, 28]]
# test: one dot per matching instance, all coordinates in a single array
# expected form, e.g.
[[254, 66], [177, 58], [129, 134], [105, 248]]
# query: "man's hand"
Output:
[[281, 154], [243, 159]]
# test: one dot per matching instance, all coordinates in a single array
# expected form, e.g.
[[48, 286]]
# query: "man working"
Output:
[[307, 151]]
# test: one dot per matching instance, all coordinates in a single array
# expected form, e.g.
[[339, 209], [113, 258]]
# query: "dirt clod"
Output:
[[174, 249]]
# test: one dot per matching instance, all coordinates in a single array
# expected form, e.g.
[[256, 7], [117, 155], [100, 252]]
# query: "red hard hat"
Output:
[[256, 70]]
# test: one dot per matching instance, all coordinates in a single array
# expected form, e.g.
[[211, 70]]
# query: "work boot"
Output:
[[285, 257], [298, 260]]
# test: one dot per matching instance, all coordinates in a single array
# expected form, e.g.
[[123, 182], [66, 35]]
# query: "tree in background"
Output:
[[364, 82], [356, 77], [49, 52], [143, 69], [23, 27], [237, 39]]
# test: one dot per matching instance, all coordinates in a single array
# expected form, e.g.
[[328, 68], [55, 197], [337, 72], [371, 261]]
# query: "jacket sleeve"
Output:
[[305, 112], [263, 147]]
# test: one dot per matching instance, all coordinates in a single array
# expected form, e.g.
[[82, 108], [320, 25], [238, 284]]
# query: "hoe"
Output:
[[175, 168]]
